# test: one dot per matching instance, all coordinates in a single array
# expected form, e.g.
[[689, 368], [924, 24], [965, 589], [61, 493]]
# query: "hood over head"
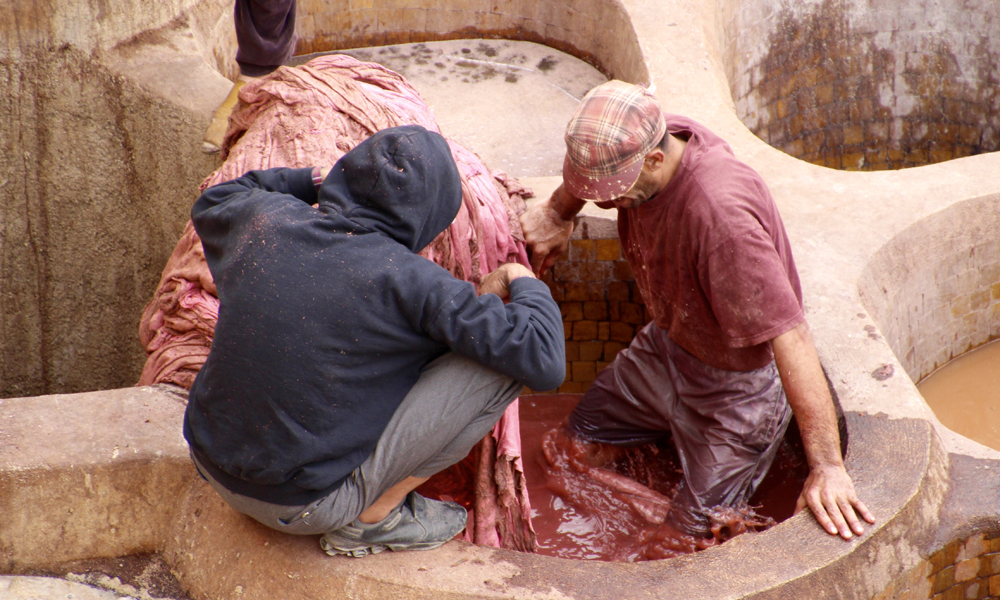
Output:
[[401, 181]]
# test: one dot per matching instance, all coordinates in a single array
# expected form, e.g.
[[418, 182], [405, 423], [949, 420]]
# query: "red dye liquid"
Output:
[[616, 513]]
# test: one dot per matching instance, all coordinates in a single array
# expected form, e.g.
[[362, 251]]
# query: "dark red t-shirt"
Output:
[[711, 257]]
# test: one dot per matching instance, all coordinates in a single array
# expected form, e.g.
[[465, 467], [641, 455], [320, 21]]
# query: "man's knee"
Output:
[[456, 374]]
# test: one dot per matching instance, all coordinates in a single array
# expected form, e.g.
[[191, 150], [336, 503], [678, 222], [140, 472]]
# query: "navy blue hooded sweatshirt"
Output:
[[327, 316]]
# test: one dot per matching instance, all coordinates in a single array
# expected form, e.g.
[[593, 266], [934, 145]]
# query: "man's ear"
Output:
[[654, 159]]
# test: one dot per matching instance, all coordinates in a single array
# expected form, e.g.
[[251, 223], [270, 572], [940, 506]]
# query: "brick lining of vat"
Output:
[[870, 85], [934, 289], [601, 308], [963, 570]]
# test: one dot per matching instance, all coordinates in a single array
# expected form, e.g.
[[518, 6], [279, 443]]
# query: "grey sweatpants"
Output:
[[455, 402], [726, 425]]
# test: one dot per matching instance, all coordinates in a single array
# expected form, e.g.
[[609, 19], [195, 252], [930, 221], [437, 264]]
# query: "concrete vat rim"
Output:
[[124, 484]]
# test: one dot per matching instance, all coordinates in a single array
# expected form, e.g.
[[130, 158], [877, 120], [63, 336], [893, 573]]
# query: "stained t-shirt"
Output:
[[711, 257]]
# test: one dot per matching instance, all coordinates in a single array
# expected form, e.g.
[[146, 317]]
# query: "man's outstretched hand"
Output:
[[547, 226], [829, 494], [498, 281]]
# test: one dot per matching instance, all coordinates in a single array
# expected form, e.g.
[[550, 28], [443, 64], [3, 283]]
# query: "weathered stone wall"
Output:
[[866, 84], [934, 289], [96, 179], [87, 25]]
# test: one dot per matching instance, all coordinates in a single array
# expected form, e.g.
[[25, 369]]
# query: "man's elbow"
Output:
[[550, 374], [219, 193]]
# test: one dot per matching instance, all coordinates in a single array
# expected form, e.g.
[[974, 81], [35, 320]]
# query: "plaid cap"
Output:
[[608, 137]]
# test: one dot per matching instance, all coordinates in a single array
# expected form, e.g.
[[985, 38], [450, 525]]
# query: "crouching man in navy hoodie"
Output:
[[346, 369]]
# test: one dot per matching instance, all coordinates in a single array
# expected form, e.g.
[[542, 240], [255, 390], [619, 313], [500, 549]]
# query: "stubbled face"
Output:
[[642, 191]]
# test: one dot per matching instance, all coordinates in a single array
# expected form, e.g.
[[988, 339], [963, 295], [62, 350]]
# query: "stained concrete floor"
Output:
[[53, 588], [46, 588], [507, 101], [142, 577]]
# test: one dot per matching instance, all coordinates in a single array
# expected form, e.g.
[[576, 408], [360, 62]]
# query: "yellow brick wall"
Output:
[[963, 570], [601, 308], [934, 289]]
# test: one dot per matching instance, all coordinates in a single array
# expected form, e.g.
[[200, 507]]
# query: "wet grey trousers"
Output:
[[453, 405], [726, 425]]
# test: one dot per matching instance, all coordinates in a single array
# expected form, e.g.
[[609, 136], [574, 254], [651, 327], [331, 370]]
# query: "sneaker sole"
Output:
[[359, 550]]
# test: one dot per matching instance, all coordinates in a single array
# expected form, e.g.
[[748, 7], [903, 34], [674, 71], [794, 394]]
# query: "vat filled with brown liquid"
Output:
[[965, 394]]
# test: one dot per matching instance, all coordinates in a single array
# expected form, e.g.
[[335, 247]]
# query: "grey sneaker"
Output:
[[417, 524]]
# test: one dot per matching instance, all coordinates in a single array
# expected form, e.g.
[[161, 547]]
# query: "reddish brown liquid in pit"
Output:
[[616, 513]]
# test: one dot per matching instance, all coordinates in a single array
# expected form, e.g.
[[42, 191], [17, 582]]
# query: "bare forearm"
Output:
[[547, 228], [808, 395], [565, 204], [828, 491]]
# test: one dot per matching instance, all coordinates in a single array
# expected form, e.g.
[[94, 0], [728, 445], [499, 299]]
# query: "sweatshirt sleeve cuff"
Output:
[[300, 182], [523, 284]]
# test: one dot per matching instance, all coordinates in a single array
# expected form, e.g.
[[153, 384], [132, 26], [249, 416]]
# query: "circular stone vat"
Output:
[[934, 291], [867, 84], [934, 288], [508, 101], [114, 479], [609, 529]]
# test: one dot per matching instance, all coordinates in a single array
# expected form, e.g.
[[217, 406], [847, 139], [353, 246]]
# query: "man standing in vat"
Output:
[[728, 357]]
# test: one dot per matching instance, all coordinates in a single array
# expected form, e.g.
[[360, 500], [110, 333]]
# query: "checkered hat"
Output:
[[608, 137]]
